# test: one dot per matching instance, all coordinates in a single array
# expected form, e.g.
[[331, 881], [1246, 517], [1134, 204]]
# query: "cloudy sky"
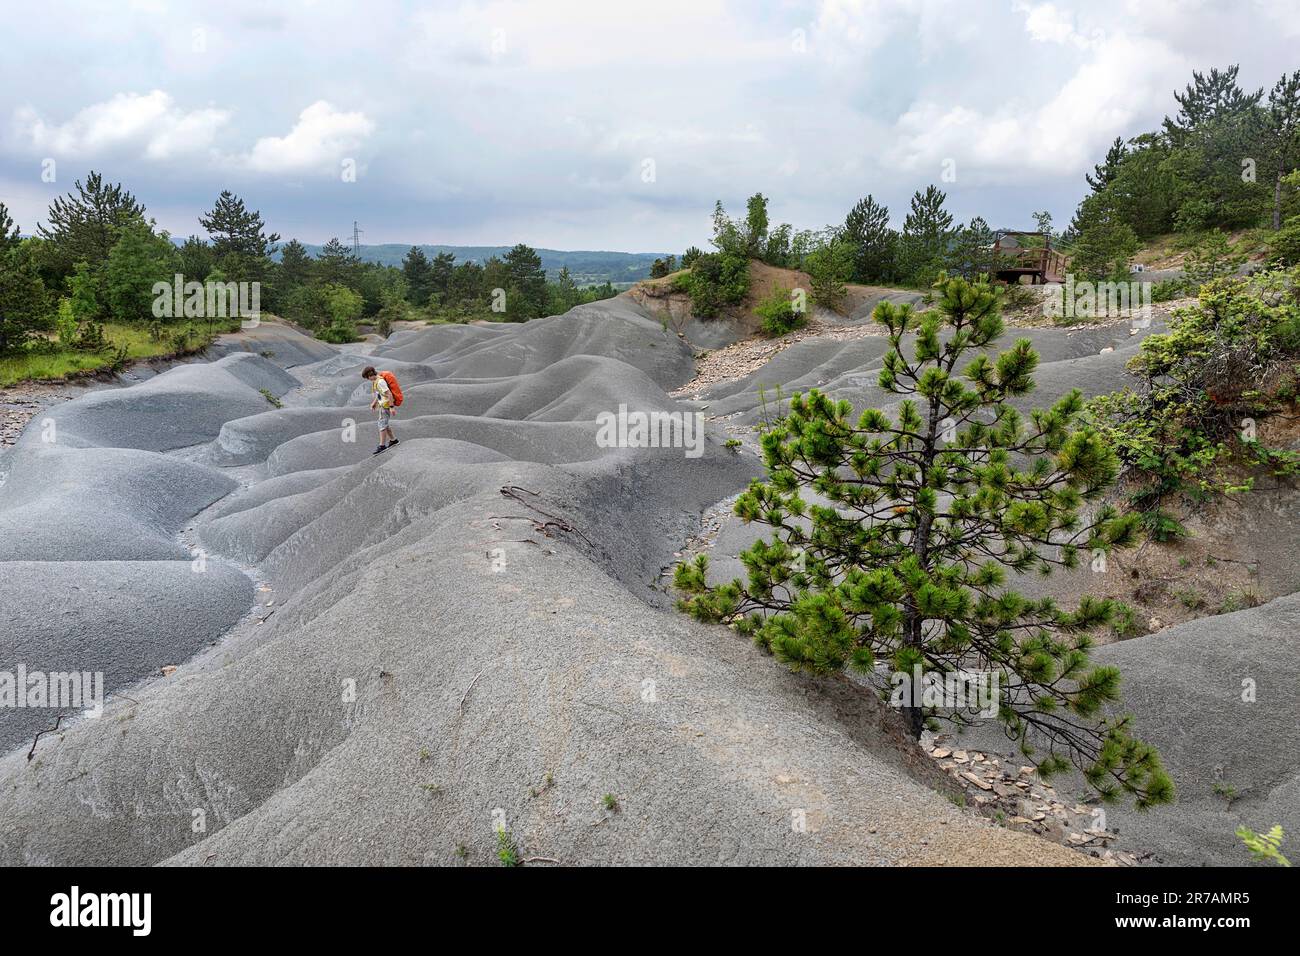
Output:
[[598, 124]]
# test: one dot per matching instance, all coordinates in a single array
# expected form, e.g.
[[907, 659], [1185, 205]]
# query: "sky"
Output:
[[603, 124]]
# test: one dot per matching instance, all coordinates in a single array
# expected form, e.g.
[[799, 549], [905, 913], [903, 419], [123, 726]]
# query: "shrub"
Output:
[[1167, 289], [1212, 258], [1285, 244], [779, 313], [829, 267], [1222, 362], [716, 279]]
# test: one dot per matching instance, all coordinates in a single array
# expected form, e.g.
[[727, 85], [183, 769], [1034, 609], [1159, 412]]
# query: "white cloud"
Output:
[[318, 141], [1119, 82], [150, 124], [1046, 22]]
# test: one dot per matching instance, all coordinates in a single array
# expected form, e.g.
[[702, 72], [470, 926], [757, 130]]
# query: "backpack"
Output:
[[393, 387]]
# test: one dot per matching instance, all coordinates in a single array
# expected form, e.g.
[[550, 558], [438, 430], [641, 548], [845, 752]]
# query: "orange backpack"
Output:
[[393, 387]]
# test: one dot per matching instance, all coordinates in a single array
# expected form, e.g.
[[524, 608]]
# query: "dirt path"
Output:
[[745, 357], [20, 403]]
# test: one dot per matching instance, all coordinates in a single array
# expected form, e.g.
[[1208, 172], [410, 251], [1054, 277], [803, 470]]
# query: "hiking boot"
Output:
[[379, 449]]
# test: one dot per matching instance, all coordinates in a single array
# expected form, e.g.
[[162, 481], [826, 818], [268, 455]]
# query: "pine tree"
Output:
[[1109, 168], [418, 273], [526, 280], [1283, 135], [442, 275], [1209, 98], [971, 254], [926, 231], [756, 224], [295, 266], [236, 229], [196, 259], [565, 293], [866, 228], [24, 304], [924, 512], [84, 225], [336, 265], [9, 234]]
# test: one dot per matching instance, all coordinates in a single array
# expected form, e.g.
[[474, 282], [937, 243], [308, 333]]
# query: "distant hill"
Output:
[[587, 268]]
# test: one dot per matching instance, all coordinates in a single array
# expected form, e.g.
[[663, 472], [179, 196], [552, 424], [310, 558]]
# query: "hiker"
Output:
[[388, 395]]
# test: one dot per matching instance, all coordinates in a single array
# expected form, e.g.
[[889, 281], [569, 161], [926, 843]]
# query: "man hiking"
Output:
[[382, 384]]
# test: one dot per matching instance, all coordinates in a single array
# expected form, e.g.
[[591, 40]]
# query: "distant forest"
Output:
[[586, 267]]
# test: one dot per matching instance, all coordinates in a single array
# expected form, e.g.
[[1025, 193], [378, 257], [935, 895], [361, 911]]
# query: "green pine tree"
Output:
[[923, 245], [892, 536], [418, 272]]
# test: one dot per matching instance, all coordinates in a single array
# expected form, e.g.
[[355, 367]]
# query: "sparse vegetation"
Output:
[[1264, 846], [507, 851]]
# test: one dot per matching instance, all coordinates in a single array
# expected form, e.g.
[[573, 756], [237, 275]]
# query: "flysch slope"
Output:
[[383, 659]]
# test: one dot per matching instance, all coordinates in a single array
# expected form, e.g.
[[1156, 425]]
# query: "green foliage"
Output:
[[10, 235], [24, 303], [716, 279], [1221, 163], [525, 285], [418, 272], [84, 225], [901, 557], [1200, 385], [829, 266], [1103, 242], [662, 267], [779, 313], [923, 246], [139, 260], [875, 245], [1264, 846], [1168, 289], [507, 851], [343, 306], [1212, 258], [1284, 247], [971, 253]]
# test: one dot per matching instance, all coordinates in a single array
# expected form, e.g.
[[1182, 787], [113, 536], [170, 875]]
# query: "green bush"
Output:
[[1285, 244], [1168, 289], [779, 314], [829, 268], [1223, 361], [716, 279]]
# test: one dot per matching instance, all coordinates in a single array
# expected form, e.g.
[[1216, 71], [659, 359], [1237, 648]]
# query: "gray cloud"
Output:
[[502, 121]]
